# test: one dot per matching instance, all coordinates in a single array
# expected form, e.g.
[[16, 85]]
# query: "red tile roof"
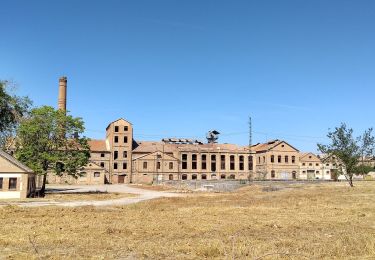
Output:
[[149, 147], [97, 145]]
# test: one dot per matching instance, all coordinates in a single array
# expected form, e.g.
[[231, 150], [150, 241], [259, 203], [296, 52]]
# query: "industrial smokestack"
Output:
[[62, 93]]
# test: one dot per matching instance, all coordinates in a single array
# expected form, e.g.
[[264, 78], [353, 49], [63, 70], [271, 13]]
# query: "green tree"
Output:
[[48, 141], [12, 109], [367, 141], [363, 169], [349, 150]]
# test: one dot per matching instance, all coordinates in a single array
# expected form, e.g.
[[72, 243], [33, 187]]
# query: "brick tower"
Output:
[[62, 93]]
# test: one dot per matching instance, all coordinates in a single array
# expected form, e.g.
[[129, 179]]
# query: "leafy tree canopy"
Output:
[[350, 151], [48, 141], [364, 169], [12, 109]]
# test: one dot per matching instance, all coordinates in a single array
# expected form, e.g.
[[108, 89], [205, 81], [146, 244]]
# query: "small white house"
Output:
[[17, 181]]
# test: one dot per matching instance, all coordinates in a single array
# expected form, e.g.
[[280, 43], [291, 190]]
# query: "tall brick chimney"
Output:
[[62, 93]]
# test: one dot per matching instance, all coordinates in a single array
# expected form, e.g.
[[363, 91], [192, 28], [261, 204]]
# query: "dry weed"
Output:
[[327, 221]]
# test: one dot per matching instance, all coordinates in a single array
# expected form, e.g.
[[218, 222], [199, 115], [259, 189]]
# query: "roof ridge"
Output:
[[13, 160]]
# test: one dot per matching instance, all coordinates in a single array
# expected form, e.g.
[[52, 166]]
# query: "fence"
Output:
[[208, 185]]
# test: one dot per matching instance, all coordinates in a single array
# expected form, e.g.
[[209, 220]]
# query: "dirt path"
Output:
[[142, 195]]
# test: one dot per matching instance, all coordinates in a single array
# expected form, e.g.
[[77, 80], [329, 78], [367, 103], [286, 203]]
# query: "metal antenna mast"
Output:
[[250, 134]]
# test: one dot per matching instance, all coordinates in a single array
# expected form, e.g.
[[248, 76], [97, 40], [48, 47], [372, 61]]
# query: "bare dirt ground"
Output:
[[325, 221], [155, 187], [65, 197], [138, 196]]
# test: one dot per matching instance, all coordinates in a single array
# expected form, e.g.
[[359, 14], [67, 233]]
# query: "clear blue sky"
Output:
[[181, 68]]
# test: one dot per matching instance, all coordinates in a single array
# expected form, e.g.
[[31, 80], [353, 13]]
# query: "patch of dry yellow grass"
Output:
[[328, 221], [85, 196]]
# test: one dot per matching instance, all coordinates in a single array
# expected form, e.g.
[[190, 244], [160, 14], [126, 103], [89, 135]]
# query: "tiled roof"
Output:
[[303, 154], [15, 161], [304, 157], [265, 146], [97, 145], [213, 147], [149, 147], [166, 156], [269, 145], [118, 120]]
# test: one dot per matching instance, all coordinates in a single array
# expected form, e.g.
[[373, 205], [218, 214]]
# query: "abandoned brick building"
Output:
[[130, 161], [120, 159]]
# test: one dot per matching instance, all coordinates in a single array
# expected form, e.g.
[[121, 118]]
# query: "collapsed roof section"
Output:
[[181, 141]]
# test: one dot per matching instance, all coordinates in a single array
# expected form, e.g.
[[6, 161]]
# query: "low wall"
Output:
[[231, 185], [208, 185]]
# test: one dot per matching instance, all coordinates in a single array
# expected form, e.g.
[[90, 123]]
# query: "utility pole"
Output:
[[250, 156], [250, 134]]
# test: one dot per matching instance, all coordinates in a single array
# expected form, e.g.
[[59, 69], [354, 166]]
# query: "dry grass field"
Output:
[[85, 196], [325, 221], [65, 197]]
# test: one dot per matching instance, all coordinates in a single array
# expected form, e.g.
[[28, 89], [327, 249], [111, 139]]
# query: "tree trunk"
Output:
[[43, 189], [350, 180]]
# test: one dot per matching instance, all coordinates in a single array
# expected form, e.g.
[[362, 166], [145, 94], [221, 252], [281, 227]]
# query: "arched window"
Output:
[[222, 162], [171, 177], [273, 175], [171, 166], [232, 177], [272, 158], [194, 161], [213, 176], [204, 177], [204, 162], [294, 175], [194, 177], [241, 158], [184, 161], [184, 176], [222, 176], [213, 163], [251, 163], [232, 163]]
